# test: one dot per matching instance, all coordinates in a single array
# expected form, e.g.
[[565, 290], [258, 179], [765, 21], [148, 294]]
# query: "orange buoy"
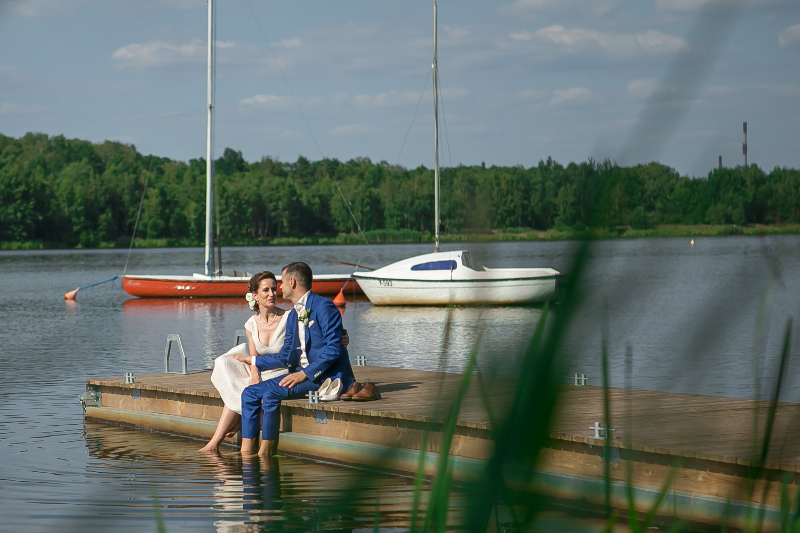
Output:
[[339, 301], [71, 294]]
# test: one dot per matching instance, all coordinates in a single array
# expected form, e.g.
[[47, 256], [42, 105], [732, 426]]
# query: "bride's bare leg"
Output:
[[227, 421], [236, 427]]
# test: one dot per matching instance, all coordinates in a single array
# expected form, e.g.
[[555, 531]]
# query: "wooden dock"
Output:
[[708, 439]]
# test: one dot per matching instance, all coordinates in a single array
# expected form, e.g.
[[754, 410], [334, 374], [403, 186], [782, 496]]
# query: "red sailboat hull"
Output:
[[189, 287]]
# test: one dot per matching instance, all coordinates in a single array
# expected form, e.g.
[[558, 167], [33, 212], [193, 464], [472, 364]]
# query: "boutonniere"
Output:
[[302, 316]]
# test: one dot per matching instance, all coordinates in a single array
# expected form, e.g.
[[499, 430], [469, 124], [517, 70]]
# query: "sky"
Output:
[[521, 80]]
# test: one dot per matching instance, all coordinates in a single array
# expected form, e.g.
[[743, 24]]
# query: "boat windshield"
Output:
[[436, 265]]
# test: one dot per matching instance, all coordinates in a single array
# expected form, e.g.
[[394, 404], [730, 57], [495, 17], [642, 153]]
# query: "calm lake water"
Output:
[[689, 313]]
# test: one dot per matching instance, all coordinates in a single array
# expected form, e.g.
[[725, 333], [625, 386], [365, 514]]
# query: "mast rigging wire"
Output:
[[444, 117], [299, 109], [138, 214], [413, 117]]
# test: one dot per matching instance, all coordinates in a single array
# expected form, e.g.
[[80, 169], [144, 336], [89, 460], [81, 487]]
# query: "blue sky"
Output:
[[633, 81]]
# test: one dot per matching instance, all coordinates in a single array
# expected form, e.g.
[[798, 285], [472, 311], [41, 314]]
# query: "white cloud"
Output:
[[456, 31], [695, 5], [673, 104], [274, 102], [158, 53], [387, 99], [36, 8], [52, 8], [685, 5], [647, 87], [16, 109], [789, 37], [721, 90], [10, 75], [289, 43], [786, 90], [588, 7], [619, 45], [352, 130], [531, 94], [574, 96], [401, 98]]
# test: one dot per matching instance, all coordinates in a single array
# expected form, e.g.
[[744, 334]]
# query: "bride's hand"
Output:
[[345, 338], [255, 376]]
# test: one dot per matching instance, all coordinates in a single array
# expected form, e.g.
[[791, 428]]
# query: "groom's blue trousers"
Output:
[[267, 396]]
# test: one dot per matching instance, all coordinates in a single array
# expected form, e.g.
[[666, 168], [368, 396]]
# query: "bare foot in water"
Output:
[[267, 448], [247, 449], [211, 447]]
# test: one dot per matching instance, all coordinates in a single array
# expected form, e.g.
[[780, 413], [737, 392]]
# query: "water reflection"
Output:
[[403, 337], [236, 495], [689, 313], [413, 337]]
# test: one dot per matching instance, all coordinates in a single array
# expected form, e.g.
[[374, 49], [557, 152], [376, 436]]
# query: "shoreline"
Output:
[[410, 237]]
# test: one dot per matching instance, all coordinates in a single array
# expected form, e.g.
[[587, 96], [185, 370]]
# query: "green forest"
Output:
[[59, 192]]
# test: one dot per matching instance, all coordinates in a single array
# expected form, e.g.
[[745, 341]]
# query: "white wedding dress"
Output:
[[230, 376]]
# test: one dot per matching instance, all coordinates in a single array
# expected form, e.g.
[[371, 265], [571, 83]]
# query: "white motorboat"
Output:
[[444, 278]]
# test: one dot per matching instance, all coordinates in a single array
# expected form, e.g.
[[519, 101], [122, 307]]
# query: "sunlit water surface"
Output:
[[688, 313]]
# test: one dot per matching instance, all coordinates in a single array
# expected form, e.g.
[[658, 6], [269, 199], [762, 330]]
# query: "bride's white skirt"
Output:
[[231, 377]]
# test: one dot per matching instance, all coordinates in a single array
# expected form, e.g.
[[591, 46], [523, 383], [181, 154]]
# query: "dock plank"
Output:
[[681, 425]]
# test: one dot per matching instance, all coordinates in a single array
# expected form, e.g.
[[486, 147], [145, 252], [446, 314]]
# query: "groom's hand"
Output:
[[242, 358], [293, 379]]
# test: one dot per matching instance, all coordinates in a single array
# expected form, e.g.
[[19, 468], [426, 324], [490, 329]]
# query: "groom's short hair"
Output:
[[301, 272]]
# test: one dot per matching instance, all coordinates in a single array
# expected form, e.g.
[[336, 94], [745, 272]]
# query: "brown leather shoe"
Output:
[[352, 391], [367, 393]]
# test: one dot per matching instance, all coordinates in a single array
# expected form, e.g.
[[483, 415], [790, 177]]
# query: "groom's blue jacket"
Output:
[[326, 356]]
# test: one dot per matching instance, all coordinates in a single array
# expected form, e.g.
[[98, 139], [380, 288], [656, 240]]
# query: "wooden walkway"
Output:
[[712, 437], [710, 427]]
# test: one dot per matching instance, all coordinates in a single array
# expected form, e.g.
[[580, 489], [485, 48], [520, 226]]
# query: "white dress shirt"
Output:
[[301, 330]]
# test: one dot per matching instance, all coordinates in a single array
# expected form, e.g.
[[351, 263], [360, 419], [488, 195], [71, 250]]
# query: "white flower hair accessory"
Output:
[[251, 301]]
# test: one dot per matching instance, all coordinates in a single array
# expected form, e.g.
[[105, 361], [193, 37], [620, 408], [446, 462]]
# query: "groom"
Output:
[[312, 350]]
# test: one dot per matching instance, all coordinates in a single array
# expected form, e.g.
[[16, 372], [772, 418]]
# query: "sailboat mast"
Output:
[[435, 67], [210, 147]]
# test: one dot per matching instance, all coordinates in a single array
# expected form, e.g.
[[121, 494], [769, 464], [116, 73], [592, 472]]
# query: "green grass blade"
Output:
[[376, 525], [785, 506], [436, 515], [160, 526], [524, 430], [677, 526], [775, 397], [606, 415], [661, 497], [756, 472]]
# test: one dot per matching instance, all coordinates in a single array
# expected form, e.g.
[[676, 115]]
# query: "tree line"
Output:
[[69, 192]]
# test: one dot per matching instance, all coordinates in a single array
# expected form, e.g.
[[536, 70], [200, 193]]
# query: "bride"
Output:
[[265, 331]]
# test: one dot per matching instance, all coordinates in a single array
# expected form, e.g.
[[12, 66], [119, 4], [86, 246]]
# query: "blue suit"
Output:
[[326, 359]]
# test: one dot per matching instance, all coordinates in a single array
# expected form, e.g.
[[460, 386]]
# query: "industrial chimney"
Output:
[[744, 144]]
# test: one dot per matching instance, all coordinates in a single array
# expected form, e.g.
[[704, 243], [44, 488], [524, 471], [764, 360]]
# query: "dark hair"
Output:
[[255, 283], [301, 272]]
